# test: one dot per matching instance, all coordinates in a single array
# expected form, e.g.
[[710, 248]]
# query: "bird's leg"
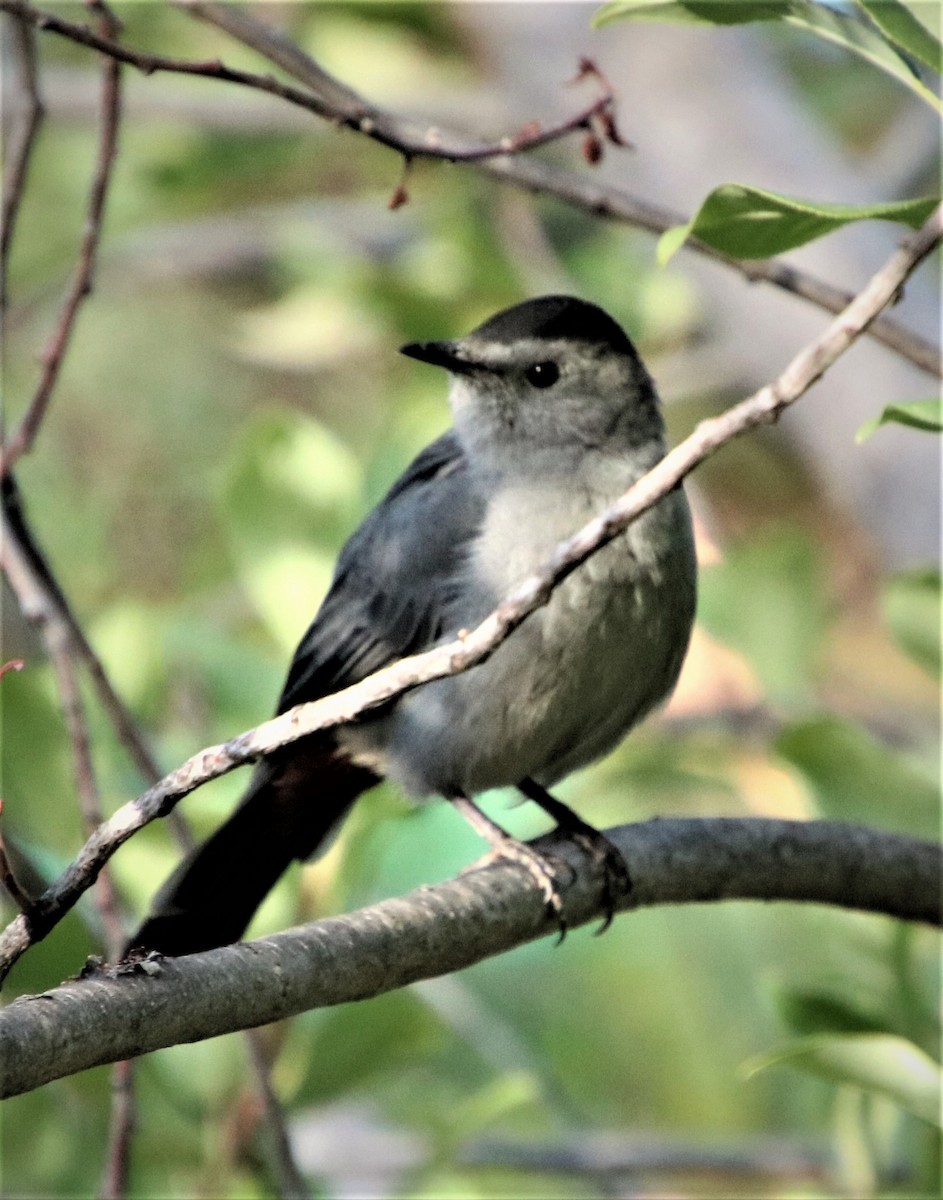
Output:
[[503, 845], [616, 879]]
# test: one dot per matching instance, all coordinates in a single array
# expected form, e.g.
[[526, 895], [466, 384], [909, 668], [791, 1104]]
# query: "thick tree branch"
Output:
[[490, 909], [474, 647], [333, 101]]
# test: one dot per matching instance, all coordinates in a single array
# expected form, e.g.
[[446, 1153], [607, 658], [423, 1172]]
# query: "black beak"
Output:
[[440, 354]]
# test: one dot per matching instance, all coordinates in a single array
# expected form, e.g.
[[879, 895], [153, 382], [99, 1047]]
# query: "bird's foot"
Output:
[[543, 869], [604, 854]]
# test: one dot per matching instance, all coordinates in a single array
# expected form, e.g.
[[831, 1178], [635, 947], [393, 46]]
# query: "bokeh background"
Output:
[[233, 402]]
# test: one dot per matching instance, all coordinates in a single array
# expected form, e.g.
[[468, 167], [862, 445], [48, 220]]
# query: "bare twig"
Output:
[[290, 1182], [343, 107], [335, 102], [64, 637], [434, 930], [52, 357], [17, 540], [581, 190], [44, 604], [619, 1153], [764, 407], [122, 1125], [38, 606], [21, 145], [8, 878]]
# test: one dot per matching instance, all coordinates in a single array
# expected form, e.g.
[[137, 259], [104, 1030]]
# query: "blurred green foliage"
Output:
[[229, 407]]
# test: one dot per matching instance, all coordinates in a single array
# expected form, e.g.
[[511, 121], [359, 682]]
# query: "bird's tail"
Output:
[[294, 802]]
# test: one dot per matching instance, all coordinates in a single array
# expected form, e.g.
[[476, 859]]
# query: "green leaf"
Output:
[[807, 1013], [918, 414], [749, 222], [851, 774], [859, 31], [766, 600], [912, 610], [334, 1052], [694, 12], [900, 26], [876, 1062], [291, 490]]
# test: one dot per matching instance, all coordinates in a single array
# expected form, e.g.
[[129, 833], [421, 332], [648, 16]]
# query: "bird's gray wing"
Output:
[[394, 579]]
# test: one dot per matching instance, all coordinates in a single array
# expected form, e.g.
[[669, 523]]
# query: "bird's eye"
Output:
[[542, 374]]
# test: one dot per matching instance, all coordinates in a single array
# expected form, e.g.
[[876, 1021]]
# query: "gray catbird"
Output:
[[554, 416]]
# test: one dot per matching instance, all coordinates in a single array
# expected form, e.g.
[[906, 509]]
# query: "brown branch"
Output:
[[469, 649], [121, 1132], [47, 596], [131, 1010], [37, 607], [20, 150], [618, 1153], [580, 190], [44, 603], [289, 1180], [349, 108], [344, 107], [8, 879], [54, 353], [333, 101]]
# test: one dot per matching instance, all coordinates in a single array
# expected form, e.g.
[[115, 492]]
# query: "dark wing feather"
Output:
[[393, 578]]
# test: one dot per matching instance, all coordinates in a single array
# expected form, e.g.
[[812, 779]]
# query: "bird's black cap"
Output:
[[545, 318], [549, 317]]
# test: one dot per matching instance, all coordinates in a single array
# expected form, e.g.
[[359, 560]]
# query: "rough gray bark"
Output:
[[113, 1015]]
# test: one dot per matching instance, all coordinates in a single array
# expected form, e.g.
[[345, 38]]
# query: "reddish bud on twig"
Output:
[[399, 198], [586, 67], [607, 123], [14, 664], [526, 132], [592, 148]]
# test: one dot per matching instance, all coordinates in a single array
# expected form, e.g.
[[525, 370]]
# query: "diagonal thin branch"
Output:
[[335, 102], [344, 108], [469, 649], [134, 1009], [289, 1179], [19, 153], [54, 353], [21, 553], [580, 190], [43, 603]]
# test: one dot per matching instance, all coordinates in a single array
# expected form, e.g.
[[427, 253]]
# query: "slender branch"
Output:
[[59, 643], [20, 552], [54, 353], [20, 150], [8, 879], [34, 602], [474, 647], [349, 108], [290, 1182], [43, 603], [580, 190], [333, 101], [618, 1153], [122, 1125], [131, 1010], [343, 107]]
